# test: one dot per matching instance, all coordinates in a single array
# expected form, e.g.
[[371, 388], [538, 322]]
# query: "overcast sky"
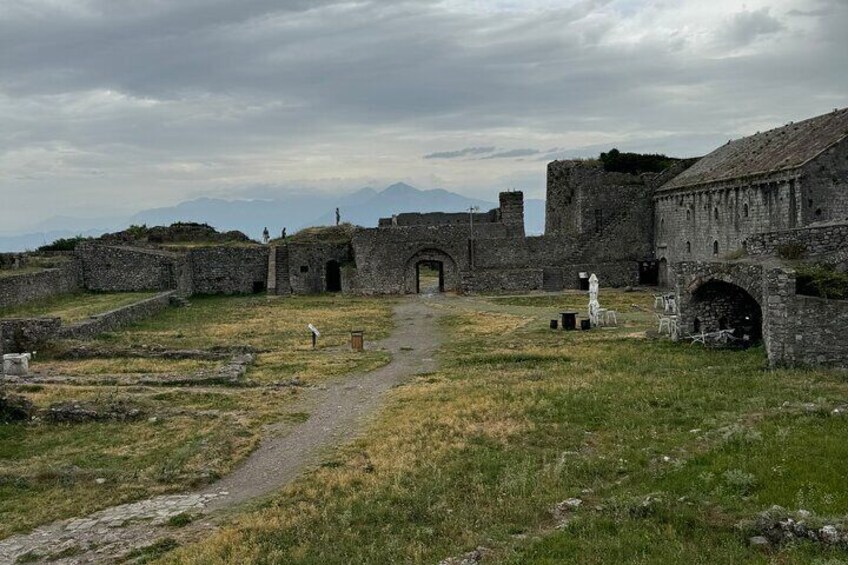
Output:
[[113, 106]]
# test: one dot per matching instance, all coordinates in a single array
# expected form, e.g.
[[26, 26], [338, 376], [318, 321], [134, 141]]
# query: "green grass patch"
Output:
[[669, 446], [151, 552], [74, 307]]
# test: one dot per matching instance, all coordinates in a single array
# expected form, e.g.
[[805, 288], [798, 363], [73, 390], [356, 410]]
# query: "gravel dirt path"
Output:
[[337, 414]]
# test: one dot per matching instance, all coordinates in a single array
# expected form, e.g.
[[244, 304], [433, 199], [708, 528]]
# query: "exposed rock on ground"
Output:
[[67, 413], [15, 408], [470, 558], [779, 526]]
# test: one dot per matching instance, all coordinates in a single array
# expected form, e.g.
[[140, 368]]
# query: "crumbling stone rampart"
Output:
[[20, 289]]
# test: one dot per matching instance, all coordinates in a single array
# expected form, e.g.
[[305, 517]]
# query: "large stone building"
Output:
[[735, 227], [786, 178]]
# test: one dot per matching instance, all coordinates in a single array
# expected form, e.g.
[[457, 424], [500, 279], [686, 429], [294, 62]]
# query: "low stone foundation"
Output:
[[116, 319], [27, 335], [30, 334], [22, 288]]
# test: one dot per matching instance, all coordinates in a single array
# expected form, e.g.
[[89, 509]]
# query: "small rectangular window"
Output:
[[304, 268]]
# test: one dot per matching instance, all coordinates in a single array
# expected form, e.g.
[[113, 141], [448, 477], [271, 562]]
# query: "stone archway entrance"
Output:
[[333, 275], [431, 271], [719, 305]]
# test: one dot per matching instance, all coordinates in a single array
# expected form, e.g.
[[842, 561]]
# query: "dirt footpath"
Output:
[[336, 415]]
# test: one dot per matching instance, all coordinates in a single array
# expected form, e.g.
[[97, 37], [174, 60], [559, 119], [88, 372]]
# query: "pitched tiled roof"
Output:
[[780, 149]]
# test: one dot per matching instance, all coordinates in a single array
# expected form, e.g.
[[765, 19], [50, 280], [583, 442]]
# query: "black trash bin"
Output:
[[569, 320], [554, 324], [583, 281], [585, 325]]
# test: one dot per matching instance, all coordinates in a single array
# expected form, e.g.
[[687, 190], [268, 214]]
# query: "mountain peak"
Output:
[[399, 188]]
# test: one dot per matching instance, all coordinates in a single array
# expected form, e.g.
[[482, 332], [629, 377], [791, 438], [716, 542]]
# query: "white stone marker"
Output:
[[16, 364]]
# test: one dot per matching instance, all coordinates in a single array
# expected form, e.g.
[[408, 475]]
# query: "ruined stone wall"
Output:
[[512, 212], [26, 335], [818, 336], [20, 289], [585, 200], [501, 280], [502, 253], [13, 260], [385, 257], [308, 264], [116, 319], [108, 268], [546, 250], [439, 219], [229, 270], [611, 274], [816, 240], [825, 186]]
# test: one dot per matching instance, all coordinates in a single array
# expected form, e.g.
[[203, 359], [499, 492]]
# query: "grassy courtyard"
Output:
[[74, 307], [668, 446], [184, 436]]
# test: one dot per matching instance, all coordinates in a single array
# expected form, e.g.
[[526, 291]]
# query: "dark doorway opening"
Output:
[[429, 277], [649, 273], [334, 276], [259, 286]]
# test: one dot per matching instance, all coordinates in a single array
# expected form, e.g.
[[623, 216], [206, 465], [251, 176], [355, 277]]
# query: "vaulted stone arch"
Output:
[[720, 296]]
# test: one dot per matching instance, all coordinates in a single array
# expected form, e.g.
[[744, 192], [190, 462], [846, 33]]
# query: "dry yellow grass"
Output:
[[48, 472], [521, 418]]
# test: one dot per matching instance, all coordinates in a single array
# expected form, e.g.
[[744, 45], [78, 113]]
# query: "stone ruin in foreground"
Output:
[[718, 231]]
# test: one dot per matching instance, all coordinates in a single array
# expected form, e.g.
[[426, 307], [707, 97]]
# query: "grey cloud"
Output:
[[746, 26], [513, 153], [460, 153], [227, 86]]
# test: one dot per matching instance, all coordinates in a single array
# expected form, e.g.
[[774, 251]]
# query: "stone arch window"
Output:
[[662, 227], [745, 245], [688, 247], [715, 247], [818, 212], [715, 213], [688, 214], [745, 210]]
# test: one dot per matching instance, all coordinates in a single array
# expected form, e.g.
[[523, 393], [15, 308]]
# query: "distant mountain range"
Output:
[[363, 207]]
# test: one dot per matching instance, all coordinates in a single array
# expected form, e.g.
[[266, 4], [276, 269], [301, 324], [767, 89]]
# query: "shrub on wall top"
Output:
[[823, 281]]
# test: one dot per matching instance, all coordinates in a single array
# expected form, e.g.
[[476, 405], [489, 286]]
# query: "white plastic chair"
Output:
[[665, 322], [602, 317], [671, 305]]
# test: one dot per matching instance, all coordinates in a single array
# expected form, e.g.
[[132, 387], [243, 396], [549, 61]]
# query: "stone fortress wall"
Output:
[[27, 287]]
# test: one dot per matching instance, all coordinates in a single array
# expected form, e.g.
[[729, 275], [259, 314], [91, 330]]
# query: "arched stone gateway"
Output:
[[719, 305], [431, 270]]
